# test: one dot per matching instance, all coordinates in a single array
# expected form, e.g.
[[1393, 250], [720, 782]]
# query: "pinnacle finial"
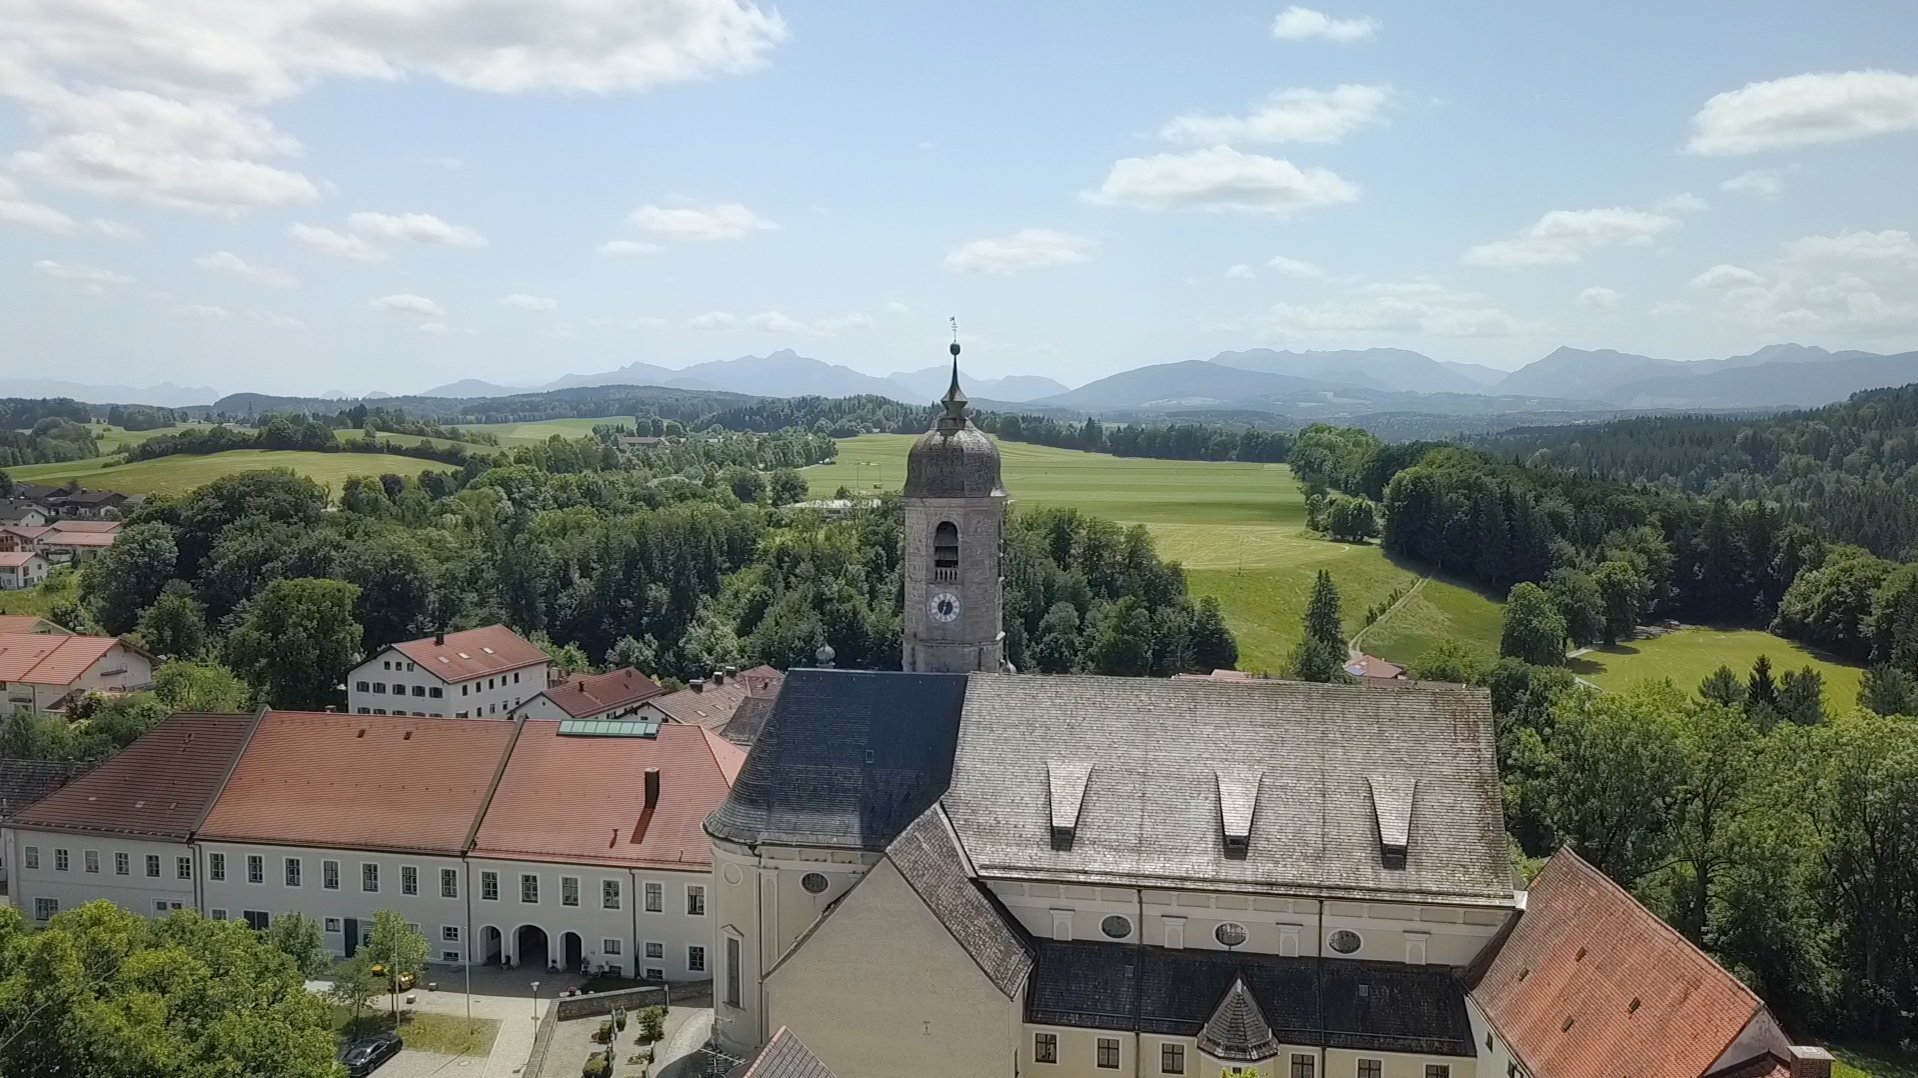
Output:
[[955, 398]]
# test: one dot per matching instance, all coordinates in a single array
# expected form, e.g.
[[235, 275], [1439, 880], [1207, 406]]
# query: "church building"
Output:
[[956, 870]]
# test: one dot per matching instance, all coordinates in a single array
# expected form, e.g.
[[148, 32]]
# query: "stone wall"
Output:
[[602, 1003]]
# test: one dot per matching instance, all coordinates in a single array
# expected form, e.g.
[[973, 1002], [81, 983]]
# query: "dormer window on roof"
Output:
[[1066, 791], [1392, 812], [1238, 802]]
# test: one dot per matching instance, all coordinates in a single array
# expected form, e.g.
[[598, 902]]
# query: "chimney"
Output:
[[1809, 1062], [697, 685], [719, 677], [731, 670], [652, 802], [439, 638]]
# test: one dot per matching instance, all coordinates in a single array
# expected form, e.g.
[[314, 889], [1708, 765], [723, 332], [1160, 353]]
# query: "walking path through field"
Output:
[[1417, 586]]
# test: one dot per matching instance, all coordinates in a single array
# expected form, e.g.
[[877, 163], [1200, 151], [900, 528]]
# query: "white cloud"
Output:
[[1417, 308], [525, 302], [1603, 299], [167, 82], [1221, 180], [408, 304], [91, 275], [1563, 236], [1764, 184], [1726, 276], [203, 310], [1238, 272], [16, 208], [1026, 249], [628, 248], [713, 320], [689, 221], [415, 228], [646, 321], [1806, 110], [1303, 23], [1671, 307], [232, 265], [1889, 246], [278, 321], [1683, 202], [338, 244], [896, 307], [842, 324], [1321, 116], [433, 328], [773, 322], [1294, 268]]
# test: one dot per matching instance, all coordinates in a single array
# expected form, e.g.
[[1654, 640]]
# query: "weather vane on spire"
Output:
[[955, 398]]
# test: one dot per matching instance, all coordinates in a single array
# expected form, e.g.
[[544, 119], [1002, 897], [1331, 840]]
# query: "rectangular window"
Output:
[[1302, 1065], [436, 692], [44, 908], [732, 971], [449, 957], [159, 905], [183, 868], [569, 890], [449, 883], [528, 887], [695, 900], [379, 687], [1371, 1068], [449, 933], [609, 946], [366, 711], [1438, 1070], [516, 677], [330, 875], [257, 920], [1045, 1048], [219, 915], [295, 872], [93, 861], [369, 876], [60, 860], [696, 959], [123, 865], [489, 886], [332, 924], [652, 973], [153, 866], [419, 690], [609, 894], [1172, 1059], [255, 868], [32, 854], [655, 951], [463, 689], [360, 686], [655, 897], [1109, 1053], [409, 880], [215, 865]]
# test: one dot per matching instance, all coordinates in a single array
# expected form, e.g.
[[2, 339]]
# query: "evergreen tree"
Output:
[[1761, 689], [1322, 620], [1723, 687], [1212, 645], [1801, 697], [1888, 690]]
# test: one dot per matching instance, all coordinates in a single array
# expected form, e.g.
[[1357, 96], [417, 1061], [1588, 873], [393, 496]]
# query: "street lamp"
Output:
[[535, 1001]]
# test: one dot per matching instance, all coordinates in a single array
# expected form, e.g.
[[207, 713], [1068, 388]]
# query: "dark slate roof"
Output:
[[1236, 1030], [785, 1057], [748, 720], [953, 461], [1297, 762], [22, 782], [927, 854], [1329, 1002], [847, 759]]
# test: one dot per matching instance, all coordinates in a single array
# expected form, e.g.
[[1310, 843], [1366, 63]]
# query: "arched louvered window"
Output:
[[945, 552]]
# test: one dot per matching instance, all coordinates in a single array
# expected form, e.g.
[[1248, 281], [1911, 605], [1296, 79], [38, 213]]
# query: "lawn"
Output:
[[446, 1034], [1689, 655], [184, 472], [512, 434], [1873, 1061], [114, 439], [62, 585]]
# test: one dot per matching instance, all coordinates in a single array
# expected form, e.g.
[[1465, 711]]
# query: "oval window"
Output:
[[1230, 934], [1344, 941], [1116, 926], [813, 882]]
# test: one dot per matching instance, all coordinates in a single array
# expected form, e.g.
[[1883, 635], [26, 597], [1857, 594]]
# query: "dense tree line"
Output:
[[141, 416], [1175, 441], [47, 440], [289, 432]]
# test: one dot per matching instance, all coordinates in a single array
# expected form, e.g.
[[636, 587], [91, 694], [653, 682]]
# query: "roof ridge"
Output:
[[232, 765], [492, 788]]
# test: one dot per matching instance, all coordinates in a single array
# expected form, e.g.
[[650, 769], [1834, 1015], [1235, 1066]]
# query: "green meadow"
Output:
[[171, 475]]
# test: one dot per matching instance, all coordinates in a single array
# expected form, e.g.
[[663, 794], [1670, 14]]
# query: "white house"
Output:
[[123, 831], [615, 694], [21, 569], [43, 671], [476, 674]]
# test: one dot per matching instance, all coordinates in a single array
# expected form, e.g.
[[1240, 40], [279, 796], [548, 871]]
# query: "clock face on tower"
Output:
[[943, 606]]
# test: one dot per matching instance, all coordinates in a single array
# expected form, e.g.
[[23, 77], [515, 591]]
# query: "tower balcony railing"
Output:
[[942, 575]]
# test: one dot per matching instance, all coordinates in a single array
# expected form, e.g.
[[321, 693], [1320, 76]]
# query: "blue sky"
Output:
[[350, 194]]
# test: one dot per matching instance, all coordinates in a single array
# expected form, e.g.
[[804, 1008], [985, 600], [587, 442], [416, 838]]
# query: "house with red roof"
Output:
[[476, 674], [612, 695], [46, 671], [22, 569]]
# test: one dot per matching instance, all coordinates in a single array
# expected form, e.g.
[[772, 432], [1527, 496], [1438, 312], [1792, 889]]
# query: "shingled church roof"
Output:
[[1236, 1030]]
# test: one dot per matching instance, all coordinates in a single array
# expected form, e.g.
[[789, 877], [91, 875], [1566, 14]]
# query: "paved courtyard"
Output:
[[503, 994]]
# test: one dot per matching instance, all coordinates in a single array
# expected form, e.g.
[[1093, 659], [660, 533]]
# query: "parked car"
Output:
[[363, 1057], [403, 983]]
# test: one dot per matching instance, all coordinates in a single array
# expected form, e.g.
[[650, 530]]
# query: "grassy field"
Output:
[[1689, 655], [178, 473], [423, 1031], [1238, 528], [512, 434], [114, 439], [62, 585], [1873, 1061]]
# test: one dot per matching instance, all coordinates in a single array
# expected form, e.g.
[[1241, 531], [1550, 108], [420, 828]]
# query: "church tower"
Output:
[[955, 519]]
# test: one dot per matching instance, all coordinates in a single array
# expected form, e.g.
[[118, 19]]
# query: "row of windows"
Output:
[[379, 688], [489, 709], [122, 863], [611, 893], [1045, 1049]]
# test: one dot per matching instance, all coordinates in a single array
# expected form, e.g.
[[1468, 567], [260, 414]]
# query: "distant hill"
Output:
[[1477, 372], [930, 384], [472, 387], [1575, 372], [164, 395], [1782, 385], [1184, 384], [632, 374], [1372, 368]]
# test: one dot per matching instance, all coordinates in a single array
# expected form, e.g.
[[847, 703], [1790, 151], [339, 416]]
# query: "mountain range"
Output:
[[164, 395]]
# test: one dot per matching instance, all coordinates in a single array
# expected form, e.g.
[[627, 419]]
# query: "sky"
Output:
[[313, 195]]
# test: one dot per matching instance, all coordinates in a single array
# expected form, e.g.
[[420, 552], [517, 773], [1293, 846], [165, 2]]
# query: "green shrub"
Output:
[[652, 1024], [596, 1067]]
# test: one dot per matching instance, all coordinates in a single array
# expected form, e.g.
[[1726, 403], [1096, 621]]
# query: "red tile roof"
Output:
[[46, 659], [1635, 993], [583, 696], [713, 703], [583, 799], [362, 782], [159, 787], [85, 525], [13, 559], [473, 653], [26, 623], [61, 537], [25, 531]]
